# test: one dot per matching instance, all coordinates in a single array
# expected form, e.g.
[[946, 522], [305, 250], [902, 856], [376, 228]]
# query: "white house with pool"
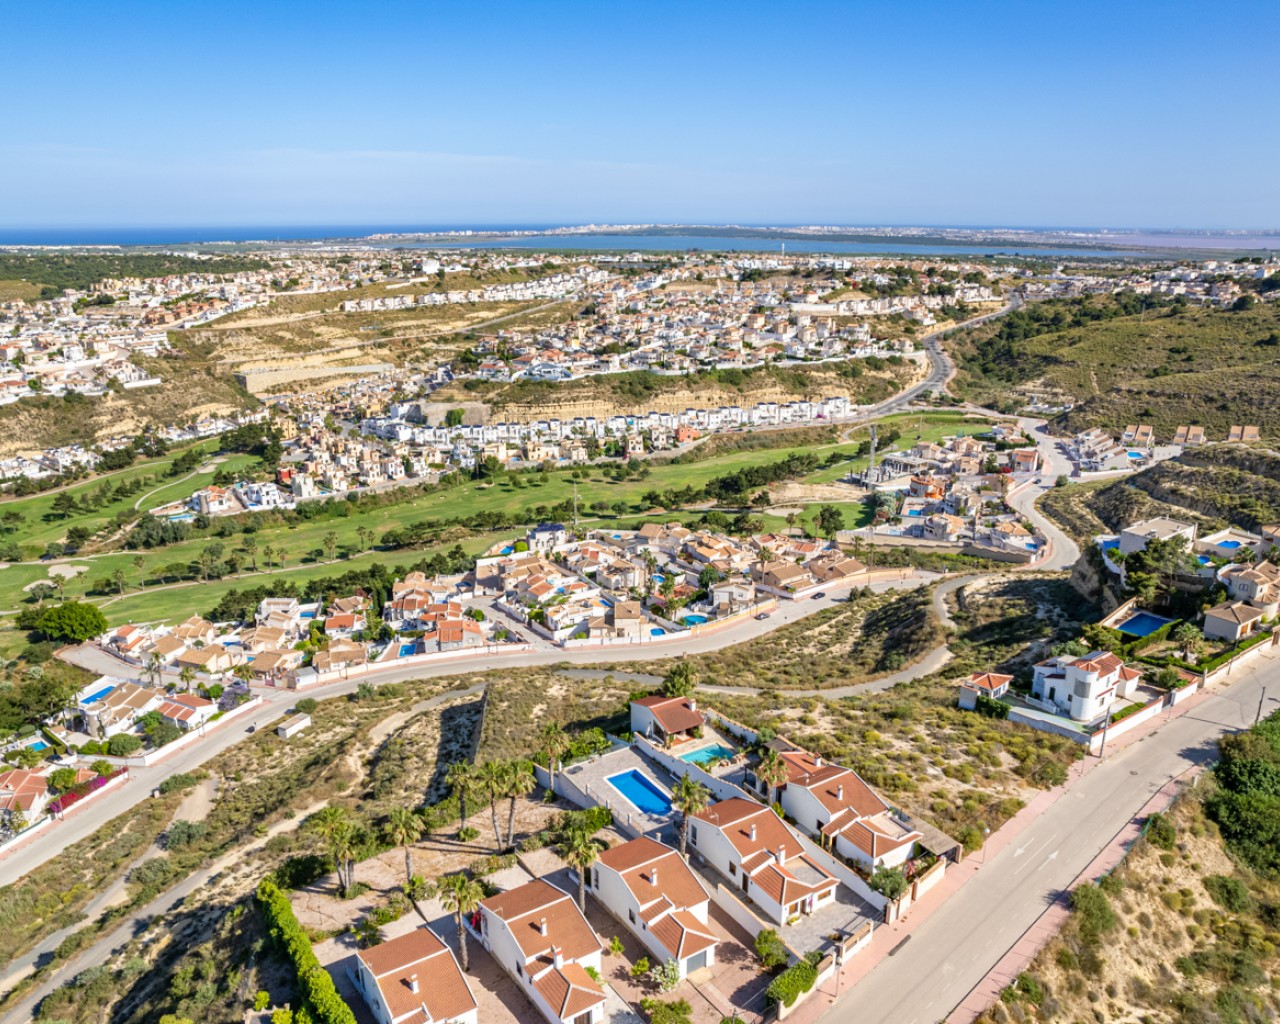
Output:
[[1083, 687]]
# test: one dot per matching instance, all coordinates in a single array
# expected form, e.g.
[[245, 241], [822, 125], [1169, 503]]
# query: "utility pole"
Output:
[[1261, 698]]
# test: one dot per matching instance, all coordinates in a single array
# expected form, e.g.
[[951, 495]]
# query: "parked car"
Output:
[[762, 616], [252, 728], [819, 595]]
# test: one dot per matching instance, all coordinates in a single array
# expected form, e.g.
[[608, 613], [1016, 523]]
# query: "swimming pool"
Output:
[[694, 620], [1111, 545], [707, 755], [1136, 455], [915, 512], [93, 698], [657, 631], [644, 795], [1143, 624], [1230, 545], [38, 746], [407, 649]]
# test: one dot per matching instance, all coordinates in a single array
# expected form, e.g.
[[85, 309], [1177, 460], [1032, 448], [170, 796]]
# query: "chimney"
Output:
[[653, 876], [781, 854], [817, 761], [542, 926], [753, 832], [413, 983], [840, 791], [693, 704], [557, 957]]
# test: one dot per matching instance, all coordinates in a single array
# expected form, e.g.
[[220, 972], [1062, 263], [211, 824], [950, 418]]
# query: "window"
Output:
[[595, 879], [693, 834], [519, 969], [631, 914], [583, 1018], [733, 868]]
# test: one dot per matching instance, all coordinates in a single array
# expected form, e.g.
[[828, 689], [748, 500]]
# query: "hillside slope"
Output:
[[1120, 363], [1212, 486]]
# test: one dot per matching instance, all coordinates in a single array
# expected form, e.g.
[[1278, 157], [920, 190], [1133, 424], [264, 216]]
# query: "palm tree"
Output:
[[688, 797], [250, 546], [404, 828], [493, 779], [330, 543], [267, 552], [521, 781], [650, 567], [1189, 639], [554, 745], [342, 838], [772, 771], [284, 557], [461, 896], [154, 667], [140, 563], [118, 577], [187, 676], [580, 850], [243, 672], [461, 777]]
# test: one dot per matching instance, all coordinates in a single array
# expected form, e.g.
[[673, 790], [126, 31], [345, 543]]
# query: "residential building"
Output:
[[1083, 687], [414, 979], [751, 847], [1136, 536], [666, 720], [646, 885], [538, 935]]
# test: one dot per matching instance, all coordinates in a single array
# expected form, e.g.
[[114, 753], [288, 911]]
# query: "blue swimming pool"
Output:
[[1230, 545], [1136, 455], [915, 512], [93, 698], [1111, 545], [407, 649], [1143, 624], [644, 795], [708, 755], [38, 746], [694, 620], [657, 631]]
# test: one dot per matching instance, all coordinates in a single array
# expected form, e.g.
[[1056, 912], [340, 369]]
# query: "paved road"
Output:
[[967, 935], [85, 822]]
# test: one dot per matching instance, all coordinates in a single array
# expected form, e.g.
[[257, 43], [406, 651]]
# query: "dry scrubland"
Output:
[[1165, 367], [1193, 941], [1212, 486]]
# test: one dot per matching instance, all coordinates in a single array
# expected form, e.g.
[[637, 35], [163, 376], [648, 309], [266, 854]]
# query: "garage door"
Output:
[[696, 961]]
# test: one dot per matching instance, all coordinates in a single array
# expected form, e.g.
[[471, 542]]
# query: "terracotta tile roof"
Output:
[[1100, 662], [838, 789], [21, 788], [655, 874], [988, 680], [442, 989], [524, 909], [674, 714], [569, 990], [682, 935]]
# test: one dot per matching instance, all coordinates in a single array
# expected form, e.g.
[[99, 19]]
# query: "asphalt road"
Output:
[[85, 822], [966, 936]]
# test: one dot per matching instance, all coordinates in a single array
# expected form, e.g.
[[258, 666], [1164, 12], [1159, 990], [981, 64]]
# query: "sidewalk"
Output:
[[887, 938]]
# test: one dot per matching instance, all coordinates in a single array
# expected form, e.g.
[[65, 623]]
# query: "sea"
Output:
[[1131, 245]]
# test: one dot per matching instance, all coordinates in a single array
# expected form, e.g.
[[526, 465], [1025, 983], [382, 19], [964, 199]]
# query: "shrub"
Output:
[[177, 783], [299, 872], [1161, 832], [1229, 893], [788, 986], [261, 1000], [889, 883], [666, 975], [1094, 915], [640, 968], [316, 984], [771, 951], [307, 705], [677, 1011], [123, 744], [183, 833]]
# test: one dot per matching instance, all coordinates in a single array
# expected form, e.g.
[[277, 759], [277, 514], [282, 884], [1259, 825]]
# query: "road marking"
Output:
[[1027, 862]]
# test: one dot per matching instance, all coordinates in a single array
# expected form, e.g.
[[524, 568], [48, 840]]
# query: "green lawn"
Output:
[[38, 531], [927, 426], [302, 543]]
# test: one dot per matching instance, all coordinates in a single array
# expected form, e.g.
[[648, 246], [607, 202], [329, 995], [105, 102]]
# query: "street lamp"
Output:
[[986, 834]]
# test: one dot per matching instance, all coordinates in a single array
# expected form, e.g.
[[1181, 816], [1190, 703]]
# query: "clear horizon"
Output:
[[208, 115]]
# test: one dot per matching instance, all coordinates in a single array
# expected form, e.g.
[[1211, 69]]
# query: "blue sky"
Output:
[[276, 113]]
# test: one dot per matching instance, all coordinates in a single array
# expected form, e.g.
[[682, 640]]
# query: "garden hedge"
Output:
[[315, 983]]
